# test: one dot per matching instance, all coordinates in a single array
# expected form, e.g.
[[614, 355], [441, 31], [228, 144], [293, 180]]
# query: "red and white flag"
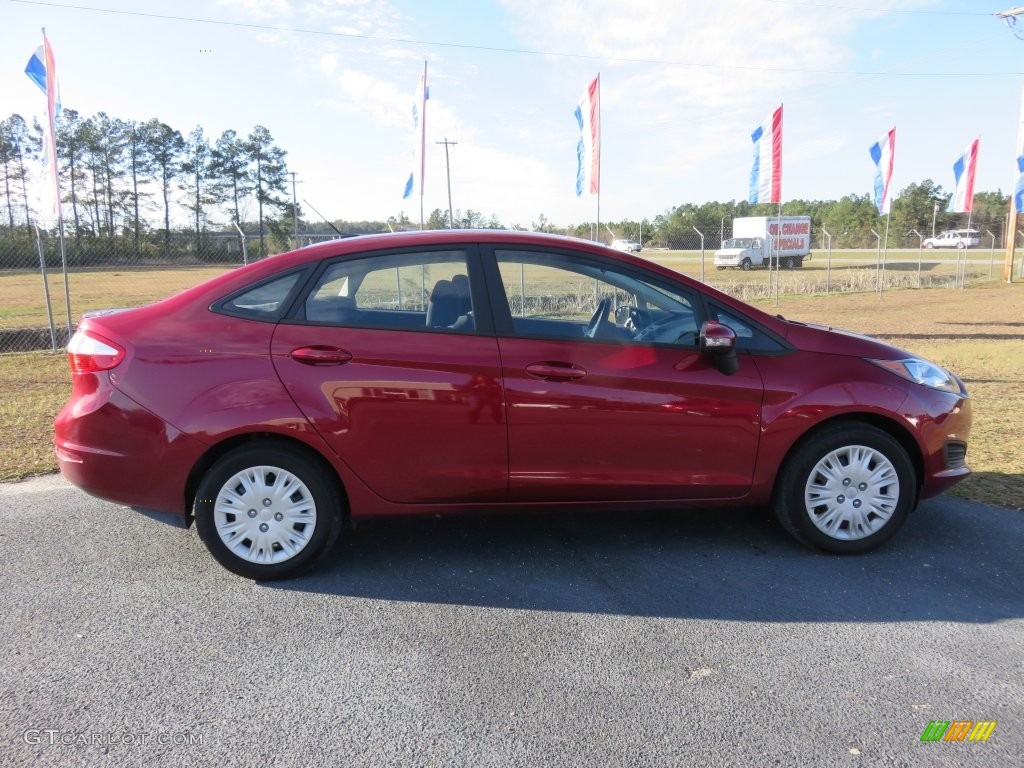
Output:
[[588, 149], [766, 175], [42, 70], [963, 170]]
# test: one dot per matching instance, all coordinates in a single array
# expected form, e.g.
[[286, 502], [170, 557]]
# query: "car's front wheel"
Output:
[[266, 512], [847, 489], [745, 265]]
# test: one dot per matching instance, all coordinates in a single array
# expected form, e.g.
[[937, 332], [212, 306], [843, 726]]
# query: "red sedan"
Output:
[[467, 371]]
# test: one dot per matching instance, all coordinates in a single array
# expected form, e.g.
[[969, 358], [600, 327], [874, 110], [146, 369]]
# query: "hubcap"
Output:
[[852, 492], [265, 515]]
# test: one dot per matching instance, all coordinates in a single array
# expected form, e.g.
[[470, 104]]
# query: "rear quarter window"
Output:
[[749, 336], [265, 301]]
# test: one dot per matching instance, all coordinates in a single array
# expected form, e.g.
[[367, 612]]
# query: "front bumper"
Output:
[[944, 427]]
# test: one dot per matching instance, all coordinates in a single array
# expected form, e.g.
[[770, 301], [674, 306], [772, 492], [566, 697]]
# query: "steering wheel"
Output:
[[670, 330], [599, 322], [631, 318]]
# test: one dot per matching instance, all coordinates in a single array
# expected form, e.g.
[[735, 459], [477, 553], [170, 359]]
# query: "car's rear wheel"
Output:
[[847, 489], [266, 512]]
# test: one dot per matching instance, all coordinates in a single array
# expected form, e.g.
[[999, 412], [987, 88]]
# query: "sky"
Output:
[[683, 85]]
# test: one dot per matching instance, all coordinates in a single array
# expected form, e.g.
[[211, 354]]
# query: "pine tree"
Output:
[[229, 171], [195, 169], [268, 172], [165, 146]]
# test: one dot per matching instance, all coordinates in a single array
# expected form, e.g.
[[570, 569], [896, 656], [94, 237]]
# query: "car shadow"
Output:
[[953, 561]]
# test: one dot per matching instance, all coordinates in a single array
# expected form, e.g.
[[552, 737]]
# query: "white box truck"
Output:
[[757, 239]]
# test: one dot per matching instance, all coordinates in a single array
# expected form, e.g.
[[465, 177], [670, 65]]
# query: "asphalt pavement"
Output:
[[652, 639]]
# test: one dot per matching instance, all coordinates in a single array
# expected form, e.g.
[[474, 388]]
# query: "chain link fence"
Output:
[[833, 269], [40, 304], [109, 272]]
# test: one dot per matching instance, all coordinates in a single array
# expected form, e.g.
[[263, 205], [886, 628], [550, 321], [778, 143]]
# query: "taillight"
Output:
[[90, 353]]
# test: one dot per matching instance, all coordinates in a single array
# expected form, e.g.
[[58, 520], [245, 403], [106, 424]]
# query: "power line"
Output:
[[519, 51], [867, 9]]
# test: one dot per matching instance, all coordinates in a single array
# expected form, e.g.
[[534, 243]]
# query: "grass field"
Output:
[[23, 303], [977, 333]]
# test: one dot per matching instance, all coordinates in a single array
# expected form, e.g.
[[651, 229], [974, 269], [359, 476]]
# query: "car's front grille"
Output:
[[956, 455]]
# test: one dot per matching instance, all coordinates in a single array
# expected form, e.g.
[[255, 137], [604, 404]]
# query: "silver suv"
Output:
[[629, 246], [955, 238]]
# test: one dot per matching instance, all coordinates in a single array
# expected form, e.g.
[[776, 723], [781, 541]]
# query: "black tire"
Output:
[[892, 489], [314, 499], [745, 265], [787, 262]]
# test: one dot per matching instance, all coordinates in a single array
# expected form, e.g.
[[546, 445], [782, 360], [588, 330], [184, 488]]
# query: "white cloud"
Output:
[[258, 9], [365, 94], [716, 53]]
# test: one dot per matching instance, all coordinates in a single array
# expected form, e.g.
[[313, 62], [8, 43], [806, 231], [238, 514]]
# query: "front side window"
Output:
[[408, 291], [558, 296]]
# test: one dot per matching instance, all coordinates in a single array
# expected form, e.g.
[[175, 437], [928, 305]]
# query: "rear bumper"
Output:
[[112, 448]]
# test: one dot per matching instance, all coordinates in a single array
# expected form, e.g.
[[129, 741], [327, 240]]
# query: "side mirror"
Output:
[[718, 342]]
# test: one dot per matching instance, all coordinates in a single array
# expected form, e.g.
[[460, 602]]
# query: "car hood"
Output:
[[836, 341]]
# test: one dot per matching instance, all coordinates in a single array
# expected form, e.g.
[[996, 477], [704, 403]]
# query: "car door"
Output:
[[621, 415], [393, 360]]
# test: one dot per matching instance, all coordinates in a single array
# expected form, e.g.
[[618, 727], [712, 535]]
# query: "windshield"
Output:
[[738, 242]]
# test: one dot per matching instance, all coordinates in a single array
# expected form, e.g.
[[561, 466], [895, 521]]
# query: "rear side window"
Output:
[[265, 301], [419, 291]]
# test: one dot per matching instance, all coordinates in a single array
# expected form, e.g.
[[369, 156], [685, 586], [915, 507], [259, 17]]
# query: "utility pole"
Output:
[[1010, 17], [295, 215], [448, 171]]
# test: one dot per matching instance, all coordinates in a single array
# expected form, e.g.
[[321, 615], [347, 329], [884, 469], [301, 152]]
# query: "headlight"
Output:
[[923, 372]]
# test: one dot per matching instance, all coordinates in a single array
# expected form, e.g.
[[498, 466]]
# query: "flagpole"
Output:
[[51, 117], [64, 265], [46, 289], [598, 155], [1011, 228], [423, 137], [963, 274], [885, 248], [778, 248]]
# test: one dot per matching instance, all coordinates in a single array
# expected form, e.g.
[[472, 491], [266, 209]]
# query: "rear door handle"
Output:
[[318, 354], [555, 371]]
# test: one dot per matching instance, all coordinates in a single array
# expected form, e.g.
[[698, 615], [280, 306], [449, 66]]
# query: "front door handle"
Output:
[[318, 354], [555, 371]]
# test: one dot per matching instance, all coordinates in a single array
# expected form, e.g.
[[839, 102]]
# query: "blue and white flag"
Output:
[[419, 124], [964, 170], [42, 70], [883, 153], [766, 175]]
